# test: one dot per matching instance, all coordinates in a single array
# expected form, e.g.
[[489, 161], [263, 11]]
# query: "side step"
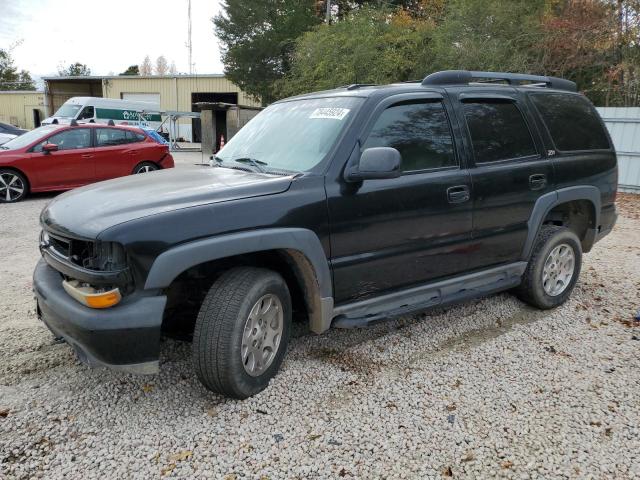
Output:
[[368, 312]]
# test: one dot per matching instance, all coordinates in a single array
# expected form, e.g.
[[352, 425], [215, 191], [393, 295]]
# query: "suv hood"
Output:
[[87, 211]]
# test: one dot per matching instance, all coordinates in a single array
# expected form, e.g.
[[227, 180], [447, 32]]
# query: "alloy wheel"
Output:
[[558, 270], [11, 187], [262, 334]]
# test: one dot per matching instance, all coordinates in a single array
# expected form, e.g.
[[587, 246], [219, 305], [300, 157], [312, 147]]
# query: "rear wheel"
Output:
[[553, 269], [242, 331], [145, 167], [13, 186]]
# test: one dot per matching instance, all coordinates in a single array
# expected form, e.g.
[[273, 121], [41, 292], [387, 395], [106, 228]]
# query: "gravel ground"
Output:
[[491, 388]]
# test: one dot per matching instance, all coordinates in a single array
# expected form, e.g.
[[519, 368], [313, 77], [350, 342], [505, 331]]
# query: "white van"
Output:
[[101, 110]]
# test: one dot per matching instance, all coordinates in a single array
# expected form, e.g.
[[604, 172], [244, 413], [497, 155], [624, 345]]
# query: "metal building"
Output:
[[23, 108], [170, 93]]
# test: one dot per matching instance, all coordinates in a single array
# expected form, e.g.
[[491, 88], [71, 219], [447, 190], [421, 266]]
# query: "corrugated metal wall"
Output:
[[623, 124], [17, 108]]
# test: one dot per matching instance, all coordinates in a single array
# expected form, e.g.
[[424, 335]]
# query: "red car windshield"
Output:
[[29, 137]]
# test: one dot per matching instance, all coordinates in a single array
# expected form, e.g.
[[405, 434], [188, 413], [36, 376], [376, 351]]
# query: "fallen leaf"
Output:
[[168, 469], [212, 412], [468, 457], [456, 384], [595, 423], [314, 436], [447, 472], [451, 407], [4, 412], [180, 456], [343, 472], [506, 464], [147, 388]]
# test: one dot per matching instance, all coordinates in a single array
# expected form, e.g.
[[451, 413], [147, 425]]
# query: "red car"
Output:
[[62, 157]]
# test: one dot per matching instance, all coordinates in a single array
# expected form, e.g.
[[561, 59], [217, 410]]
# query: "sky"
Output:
[[108, 35]]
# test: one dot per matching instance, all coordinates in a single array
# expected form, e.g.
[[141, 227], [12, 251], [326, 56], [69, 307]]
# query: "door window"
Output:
[[572, 122], [419, 131], [72, 139], [498, 131], [86, 113], [108, 137]]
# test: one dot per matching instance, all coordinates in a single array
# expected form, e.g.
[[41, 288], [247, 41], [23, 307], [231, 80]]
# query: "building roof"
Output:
[[137, 77]]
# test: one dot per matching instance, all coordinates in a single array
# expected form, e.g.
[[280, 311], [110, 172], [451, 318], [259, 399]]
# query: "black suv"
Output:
[[346, 207]]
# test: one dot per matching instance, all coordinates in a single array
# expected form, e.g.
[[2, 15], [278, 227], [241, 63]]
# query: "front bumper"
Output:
[[125, 337]]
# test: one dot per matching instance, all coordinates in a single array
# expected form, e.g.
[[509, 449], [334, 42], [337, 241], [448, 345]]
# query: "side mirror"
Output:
[[376, 163], [49, 147]]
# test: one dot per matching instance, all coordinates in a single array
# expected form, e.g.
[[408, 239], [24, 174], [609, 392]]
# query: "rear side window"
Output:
[[419, 131], [498, 131], [108, 137], [572, 122], [133, 137]]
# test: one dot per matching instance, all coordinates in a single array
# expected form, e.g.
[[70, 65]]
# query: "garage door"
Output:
[[142, 97]]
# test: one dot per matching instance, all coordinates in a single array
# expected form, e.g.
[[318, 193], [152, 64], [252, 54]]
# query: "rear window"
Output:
[[498, 131], [572, 122]]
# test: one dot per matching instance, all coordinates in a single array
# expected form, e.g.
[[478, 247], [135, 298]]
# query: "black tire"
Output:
[[532, 290], [17, 181], [145, 167], [218, 334]]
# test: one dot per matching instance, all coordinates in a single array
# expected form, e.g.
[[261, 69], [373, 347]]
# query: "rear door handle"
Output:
[[537, 181], [458, 194], [87, 155]]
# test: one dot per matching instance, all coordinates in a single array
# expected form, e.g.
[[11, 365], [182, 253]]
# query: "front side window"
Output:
[[419, 130], [498, 131], [294, 136], [86, 113], [109, 137], [571, 121], [72, 139]]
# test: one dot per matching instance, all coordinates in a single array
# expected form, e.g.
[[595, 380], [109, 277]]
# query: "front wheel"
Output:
[[553, 269], [242, 331], [13, 186], [145, 167]]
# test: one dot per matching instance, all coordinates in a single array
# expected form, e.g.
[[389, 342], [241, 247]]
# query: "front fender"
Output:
[[176, 260]]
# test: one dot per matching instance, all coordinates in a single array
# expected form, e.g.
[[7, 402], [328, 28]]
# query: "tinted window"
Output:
[[107, 137], [498, 131], [419, 131], [86, 113], [72, 139], [572, 122], [134, 137]]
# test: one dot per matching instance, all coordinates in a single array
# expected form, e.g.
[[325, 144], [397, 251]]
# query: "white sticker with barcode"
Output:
[[330, 112]]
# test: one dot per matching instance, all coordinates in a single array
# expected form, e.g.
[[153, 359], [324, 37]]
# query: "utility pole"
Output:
[[189, 44], [328, 19]]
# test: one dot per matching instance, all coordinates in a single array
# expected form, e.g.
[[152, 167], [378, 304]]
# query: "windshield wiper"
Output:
[[259, 164]]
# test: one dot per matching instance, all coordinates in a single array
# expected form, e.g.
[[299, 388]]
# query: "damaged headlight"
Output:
[[107, 257]]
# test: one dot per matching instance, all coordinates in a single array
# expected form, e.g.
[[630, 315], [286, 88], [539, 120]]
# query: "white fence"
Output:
[[623, 124]]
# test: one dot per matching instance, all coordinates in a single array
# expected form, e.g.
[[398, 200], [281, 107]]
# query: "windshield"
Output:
[[68, 110], [293, 135], [28, 138]]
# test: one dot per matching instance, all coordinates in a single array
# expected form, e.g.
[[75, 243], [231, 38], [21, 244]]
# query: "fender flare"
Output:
[[171, 263], [548, 201]]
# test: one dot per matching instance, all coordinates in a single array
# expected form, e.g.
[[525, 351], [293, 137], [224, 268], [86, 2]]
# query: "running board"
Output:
[[386, 307]]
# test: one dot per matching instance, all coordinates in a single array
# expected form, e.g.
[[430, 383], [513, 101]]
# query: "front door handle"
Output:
[[458, 194], [537, 181], [87, 155]]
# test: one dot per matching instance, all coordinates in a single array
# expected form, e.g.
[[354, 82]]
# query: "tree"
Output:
[[258, 38], [162, 67], [131, 70], [367, 46], [74, 70], [10, 77], [490, 35], [172, 69], [146, 68]]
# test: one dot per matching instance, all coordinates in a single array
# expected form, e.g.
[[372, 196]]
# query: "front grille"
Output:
[[79, 252]]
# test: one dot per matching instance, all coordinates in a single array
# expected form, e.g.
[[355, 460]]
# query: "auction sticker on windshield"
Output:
[[329, 112]]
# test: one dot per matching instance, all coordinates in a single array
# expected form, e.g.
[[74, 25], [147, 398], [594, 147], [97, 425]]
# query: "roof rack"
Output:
[[355, 86], [465, 77]]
